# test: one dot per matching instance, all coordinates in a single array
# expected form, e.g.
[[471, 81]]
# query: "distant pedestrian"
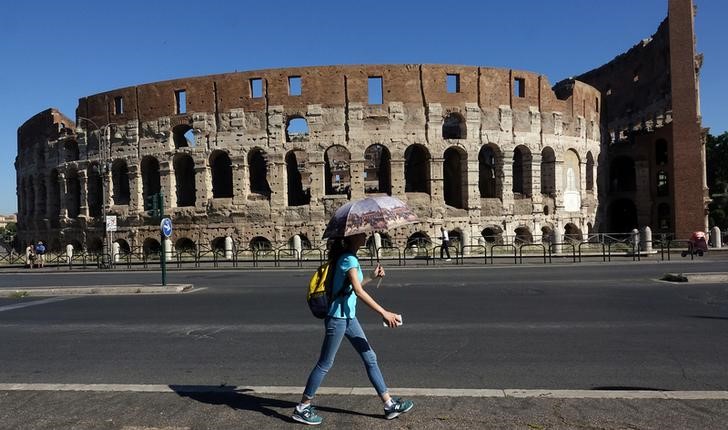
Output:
[[40, 250], [30, 256], [445, 248], [342, 322]]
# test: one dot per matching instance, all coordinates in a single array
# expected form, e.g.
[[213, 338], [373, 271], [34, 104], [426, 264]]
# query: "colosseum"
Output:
[[264, 156]]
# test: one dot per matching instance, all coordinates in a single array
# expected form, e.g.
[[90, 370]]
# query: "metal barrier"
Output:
[[439, 247], [531, 245], [504, 246], [418, 255], [482, 247], [383, 250], [258, 253], [320, 253], [604, 249], [682, 253], [631, 248], [552, 246], [290, 252]]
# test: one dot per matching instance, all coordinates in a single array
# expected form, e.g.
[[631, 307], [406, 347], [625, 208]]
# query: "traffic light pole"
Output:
[[163, 251]]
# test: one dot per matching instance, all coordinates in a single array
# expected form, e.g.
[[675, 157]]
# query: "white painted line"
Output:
[[368, 391], [33, 303]]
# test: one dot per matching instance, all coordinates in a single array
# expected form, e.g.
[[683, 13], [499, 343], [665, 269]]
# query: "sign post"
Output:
[[165, 228]]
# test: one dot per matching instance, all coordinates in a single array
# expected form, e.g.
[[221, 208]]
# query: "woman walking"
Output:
[[342, 322]]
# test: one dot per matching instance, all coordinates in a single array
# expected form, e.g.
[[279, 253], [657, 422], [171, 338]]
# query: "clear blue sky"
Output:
[[54, 52]]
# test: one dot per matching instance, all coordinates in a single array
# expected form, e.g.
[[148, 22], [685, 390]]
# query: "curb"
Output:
[[695, 278], [106, 290]]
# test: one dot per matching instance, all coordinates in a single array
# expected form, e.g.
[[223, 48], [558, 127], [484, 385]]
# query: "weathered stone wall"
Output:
[[223, 116]]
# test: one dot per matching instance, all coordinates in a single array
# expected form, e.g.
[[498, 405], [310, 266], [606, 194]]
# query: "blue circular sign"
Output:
[[166, 226]]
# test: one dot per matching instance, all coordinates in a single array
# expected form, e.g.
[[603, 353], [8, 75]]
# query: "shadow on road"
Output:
[[244, 400]]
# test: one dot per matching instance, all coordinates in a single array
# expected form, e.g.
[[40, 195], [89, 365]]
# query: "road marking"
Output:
[[368, 391], [33, 303]]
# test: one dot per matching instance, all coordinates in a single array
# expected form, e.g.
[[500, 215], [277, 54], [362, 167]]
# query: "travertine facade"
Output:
[[264, 155]]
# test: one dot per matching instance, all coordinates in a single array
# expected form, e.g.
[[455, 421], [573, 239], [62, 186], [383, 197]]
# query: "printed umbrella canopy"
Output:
[[371, 213]]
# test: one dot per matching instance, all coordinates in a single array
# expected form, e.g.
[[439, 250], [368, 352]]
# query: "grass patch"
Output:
[[19, 295]]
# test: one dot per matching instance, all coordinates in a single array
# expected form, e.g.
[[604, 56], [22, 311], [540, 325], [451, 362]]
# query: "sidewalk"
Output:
[[252, 410]]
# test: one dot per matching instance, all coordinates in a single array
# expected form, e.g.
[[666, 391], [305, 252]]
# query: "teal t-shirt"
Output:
[[344, 307]]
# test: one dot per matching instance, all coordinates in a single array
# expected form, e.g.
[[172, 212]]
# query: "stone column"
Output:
[[437, 191], [62, 188], [240, 174], [168, 184], [136, 201], [356, 170], [506, 160], [473, 193], [397, 177], [203, 188], [647, 239], [83, 186]]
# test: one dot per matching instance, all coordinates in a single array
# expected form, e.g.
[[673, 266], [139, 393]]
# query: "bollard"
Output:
[[228, 248], [115, 251], [715, 235], [69, 253], [647, 239], [378, 244], [167, 249], [558, 238], [297, 245]]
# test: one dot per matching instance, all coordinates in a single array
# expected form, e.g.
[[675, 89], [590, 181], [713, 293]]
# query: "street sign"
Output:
[[111, 223], [166, 227]]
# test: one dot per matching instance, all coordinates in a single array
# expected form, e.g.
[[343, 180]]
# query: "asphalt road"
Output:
[[596, 326]]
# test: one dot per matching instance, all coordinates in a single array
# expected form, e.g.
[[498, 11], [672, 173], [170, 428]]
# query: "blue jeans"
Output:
[[336, 329]]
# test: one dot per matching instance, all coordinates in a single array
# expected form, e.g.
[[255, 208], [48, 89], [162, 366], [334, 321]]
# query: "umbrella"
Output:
[[371, 213]]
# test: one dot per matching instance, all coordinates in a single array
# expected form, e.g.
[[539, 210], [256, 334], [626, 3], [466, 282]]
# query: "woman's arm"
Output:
[[389, 317]]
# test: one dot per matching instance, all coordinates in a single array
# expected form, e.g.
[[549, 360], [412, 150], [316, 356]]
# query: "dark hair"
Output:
[[338, 246]]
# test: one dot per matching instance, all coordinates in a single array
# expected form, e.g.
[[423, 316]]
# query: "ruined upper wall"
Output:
[[636, 85], [329, 86], [44, 126]]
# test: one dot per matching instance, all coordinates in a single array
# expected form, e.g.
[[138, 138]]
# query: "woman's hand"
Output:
[[378, 272], [390, 318]]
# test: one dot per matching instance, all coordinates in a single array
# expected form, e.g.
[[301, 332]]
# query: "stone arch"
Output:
[[337, 174], [573, 233], [419, 239], [589, 171], [454, 126], [522, 174], [185, 244], [547, 234], [297, 129], [523, 235], [221, 170], [622, 216], [95, 190], [260, 243], [258, 168], [95, 245], [183, 136], [218, 244], [455, 177], [664, 218], [184, 174], [571, 182], [490, 168], [548, 172], [377, 170], [70, 151], [492, 234], [151, 246], [296, 175], [124, 247], [54, 204], [73, 194], [417, 169], [120, 181], [151, 183], [305, 242], [622, 175]]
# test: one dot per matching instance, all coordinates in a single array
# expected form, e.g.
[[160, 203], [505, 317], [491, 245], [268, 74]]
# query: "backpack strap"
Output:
[[343, 290]]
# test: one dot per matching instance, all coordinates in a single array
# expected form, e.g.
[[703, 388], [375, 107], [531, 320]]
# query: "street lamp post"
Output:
[[104, 157]]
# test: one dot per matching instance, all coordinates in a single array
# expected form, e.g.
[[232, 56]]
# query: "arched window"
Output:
[[297, 130], [120, 179], [150, 179], [492, 234], [337, 170], [222, 175], [73, 194], [296, 175], [662, 184], [260, 243], [523, 236], [183, 136], [124, 248], [455, 180], [572, 232], [489, 174], [454, 127], [184, 174], [589, 171], [622, 175], [661, 152], [186, 245], [377, 170], [151, 246], [419, 239], [258, 168], [522, 171], [417, 169], [548, 172], [95, 189]]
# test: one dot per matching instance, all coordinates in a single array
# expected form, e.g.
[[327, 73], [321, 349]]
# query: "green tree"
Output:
[[716, 160]]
